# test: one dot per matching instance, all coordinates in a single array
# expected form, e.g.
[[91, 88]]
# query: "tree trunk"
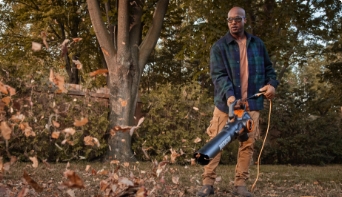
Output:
[[126, 58]]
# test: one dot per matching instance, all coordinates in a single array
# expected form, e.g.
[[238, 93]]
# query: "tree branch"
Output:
[[153, 33], [123, 31], [100, 29]]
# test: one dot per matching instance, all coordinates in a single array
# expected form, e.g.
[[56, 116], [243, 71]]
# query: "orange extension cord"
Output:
[[262, 147]]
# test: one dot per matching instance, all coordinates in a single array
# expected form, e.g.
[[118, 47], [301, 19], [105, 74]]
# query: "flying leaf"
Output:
[[161, 167], [96, 141], [27, 130], [35, 161], [55, 124], [74, 181], [174, 155], [87, 168], [193, 161], [3, 88], [142, 192], [69, 131], [141, 120], [79, 123], [88, 141], [43, 34], [55, 134], [197, 140], [5, 130], [76, 39], [18, 117], [103, 185], [32, 183], [175, 179], [78, 64], [23, 192], [36, 46], [98, 72], [6, 100]]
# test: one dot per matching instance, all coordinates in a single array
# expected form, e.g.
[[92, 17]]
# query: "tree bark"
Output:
[[125, 63]]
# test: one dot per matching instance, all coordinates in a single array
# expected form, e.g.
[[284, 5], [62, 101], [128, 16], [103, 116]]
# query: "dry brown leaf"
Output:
[[69, 131], [71, 192], [102, 172], [197, 140], [74, 181], [87, 168], [35, 161], [115, 162], [17, 118], [7, 166], [97, 72], [6, 100], [13, 160], [175, 180], [27, 130], [23, 192], [103, 185], [79, 123], [3, 88], [36, 46], [78, 64], [55, 134], [161, 167], [142, 192], [193, 161], [5, 130], [174, 155], [125, 181], [76, 39], [55, 124], [88, 141], [126, 164], [32, 183], [43, 34]]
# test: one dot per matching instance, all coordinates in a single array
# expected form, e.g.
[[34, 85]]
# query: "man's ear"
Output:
[[245, 21]]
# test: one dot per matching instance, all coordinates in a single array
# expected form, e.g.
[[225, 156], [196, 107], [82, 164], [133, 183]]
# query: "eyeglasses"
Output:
[[237, 19]]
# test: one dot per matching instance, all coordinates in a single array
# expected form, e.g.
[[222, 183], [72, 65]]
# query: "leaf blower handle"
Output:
[[231, 110]]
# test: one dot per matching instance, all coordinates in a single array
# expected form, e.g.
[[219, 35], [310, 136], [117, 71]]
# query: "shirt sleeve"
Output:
[[219, 74]]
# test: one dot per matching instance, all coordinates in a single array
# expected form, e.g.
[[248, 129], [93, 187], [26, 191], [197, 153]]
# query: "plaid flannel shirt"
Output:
[[225, 71]]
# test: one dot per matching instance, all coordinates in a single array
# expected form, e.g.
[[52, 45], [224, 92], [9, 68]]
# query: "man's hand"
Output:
[[269, 91], [230, 100]]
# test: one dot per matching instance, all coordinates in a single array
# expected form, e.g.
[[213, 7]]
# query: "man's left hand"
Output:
[[269, 91]]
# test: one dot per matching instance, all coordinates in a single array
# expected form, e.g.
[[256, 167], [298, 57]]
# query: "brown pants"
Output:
[[245, 152]]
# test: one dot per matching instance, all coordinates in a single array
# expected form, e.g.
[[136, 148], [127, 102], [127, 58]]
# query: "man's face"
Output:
[[236, 21]]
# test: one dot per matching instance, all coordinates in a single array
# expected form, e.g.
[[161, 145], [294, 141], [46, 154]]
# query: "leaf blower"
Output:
[[238, 126]]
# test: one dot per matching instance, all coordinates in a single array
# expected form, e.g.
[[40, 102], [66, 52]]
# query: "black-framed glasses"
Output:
[[237, 19]]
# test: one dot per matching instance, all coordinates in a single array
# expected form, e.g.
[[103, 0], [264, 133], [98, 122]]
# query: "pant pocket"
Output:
[[212, 130]]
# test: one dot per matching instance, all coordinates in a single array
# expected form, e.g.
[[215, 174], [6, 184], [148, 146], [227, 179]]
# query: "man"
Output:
[[239, 67]]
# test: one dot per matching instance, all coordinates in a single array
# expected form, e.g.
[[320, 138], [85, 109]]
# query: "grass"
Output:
[[174, 180]]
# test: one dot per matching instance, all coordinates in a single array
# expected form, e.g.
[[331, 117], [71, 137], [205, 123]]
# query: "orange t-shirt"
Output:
[[243, 68]]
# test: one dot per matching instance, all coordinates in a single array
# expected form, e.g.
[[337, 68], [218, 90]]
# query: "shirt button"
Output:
[[238, 61]]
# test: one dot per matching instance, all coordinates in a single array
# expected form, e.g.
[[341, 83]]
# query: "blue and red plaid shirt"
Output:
[[225, 71]]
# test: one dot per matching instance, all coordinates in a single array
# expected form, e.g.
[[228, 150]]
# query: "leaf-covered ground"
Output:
[[161, 179]]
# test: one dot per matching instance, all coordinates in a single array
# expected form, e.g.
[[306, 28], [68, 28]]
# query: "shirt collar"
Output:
[[229, 37]]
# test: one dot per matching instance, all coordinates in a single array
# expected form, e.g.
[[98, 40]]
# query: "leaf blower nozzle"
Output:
[[238, 126]]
